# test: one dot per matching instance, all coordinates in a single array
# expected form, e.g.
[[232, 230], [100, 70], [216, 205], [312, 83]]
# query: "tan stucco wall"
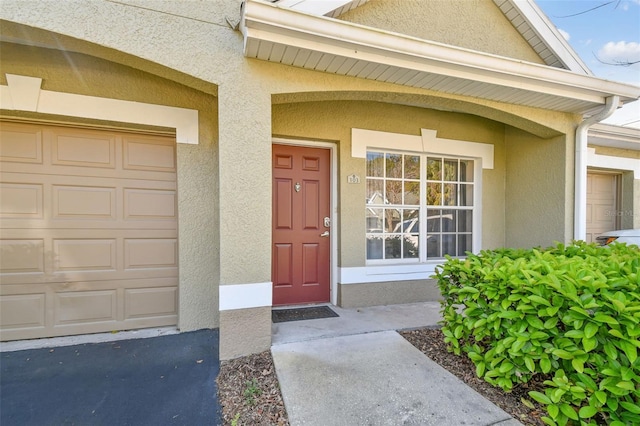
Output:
[[472, 24], [387, 293], [196, 164], [246, 331], [537, 183]]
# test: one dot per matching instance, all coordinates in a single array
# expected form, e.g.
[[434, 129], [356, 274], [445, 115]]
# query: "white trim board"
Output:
[[376, 274], [24, 93], [244, 296], [613, 163], [427, 142]]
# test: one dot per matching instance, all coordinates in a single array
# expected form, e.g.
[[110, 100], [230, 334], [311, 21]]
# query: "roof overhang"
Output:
[[614, 136], [542, 35], [289, 37]]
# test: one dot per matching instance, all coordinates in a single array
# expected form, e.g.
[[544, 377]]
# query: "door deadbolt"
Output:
[[327, 222]]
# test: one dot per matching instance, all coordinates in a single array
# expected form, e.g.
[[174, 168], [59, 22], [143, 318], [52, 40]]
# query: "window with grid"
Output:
[[418, 207]]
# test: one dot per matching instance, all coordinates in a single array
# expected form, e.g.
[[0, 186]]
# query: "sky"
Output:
[[608, 34]]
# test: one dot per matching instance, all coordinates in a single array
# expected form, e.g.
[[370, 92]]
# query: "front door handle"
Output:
[[325, 234]]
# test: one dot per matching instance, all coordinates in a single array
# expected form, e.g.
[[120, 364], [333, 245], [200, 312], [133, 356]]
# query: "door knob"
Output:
[[325, 234]]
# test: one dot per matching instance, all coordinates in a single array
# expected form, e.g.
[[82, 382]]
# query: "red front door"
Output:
[[301, 243]]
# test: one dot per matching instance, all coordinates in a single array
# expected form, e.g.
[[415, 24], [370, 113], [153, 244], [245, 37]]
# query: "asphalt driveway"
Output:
[[166, 380]]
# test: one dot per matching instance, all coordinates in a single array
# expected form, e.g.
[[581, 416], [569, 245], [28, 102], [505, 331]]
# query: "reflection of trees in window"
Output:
[[393, 185]]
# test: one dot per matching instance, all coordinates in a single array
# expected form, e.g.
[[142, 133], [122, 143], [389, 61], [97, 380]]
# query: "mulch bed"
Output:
[[249, 392], [248, 402]]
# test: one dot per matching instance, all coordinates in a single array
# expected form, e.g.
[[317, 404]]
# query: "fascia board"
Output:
[[614, 136], [291, 28], [548, 32]]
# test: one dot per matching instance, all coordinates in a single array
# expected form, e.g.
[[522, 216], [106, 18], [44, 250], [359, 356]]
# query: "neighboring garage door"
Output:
[[88, 224], [602, 195]]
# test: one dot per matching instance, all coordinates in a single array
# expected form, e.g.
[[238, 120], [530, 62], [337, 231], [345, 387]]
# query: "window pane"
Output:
[[466, 194], [392, 248], [375, 163], [465, 220], [434, 169], [411, 222], [433, 220], [434, 194], [450, 170], [410, 248], [375, 220], [412, 193], [375, 194], [464, 244], [450, 194], [391, 219], [374, 247], [411, 167], [449, 244], [466, 170], [433, 245], [448, 221], [394, 165], [393, 192]]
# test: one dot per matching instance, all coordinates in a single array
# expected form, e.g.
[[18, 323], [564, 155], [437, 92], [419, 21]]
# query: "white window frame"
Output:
[[427, 143]]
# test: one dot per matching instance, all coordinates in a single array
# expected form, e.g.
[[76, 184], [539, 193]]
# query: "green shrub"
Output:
[[568, 313]]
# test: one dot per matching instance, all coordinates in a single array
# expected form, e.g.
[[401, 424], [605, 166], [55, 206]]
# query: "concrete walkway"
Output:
[[356, 370]]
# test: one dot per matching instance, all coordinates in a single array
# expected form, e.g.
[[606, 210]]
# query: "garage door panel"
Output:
[[21, 256], [150, 253], [143, 154], [22, 144], [21, 201], [601, 204], [83, 150], [80, 202], [85, 306], [89, 231], [149, 204], [22, 311], [84, 255], [151, 302]]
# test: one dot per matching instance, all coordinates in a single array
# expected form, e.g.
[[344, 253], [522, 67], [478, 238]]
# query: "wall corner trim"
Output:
[[23, 93], [244, 296]]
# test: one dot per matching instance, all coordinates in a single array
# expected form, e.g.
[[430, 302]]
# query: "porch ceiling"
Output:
[[289, 37]]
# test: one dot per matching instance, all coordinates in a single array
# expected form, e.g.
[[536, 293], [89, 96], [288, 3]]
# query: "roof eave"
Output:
[[280, 35]]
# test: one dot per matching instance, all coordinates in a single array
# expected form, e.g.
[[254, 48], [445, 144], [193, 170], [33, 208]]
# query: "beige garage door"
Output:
[[602, 191], [88, 223]]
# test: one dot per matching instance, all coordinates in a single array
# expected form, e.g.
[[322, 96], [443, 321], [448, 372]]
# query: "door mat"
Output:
[[298, 314]]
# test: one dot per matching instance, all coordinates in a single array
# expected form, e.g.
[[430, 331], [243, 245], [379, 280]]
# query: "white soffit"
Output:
[[330, 8], [318, 43], [542, 35]]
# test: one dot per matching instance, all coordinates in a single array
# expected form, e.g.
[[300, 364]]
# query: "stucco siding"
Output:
[[387, 293], [247, 331], [536, 181], [196, 164], [472, 24]]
